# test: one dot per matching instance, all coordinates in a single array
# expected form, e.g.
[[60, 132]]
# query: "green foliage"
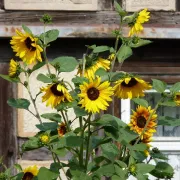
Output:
[[141, 102], [159, 86], [49, 36], [135, 43], [7, 78], [52, 116], [175, 88], [100, 49], [123, 53], [19, 103], [169, 103], [46, 174], [65, 63], [143, 168], [119, 9], [47, 126], [79, 111], [26, 29], [43, 78], [37, 66], [168, 121]]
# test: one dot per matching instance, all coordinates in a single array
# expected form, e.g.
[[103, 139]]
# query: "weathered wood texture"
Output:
[[8, 146]]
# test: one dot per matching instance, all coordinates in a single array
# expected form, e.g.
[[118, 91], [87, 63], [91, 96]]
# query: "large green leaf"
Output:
[[139, 43], [52, 116], [106, 170], [169, 103], [38, 66], [139, 147], [159, 86], [46, 174], [99, 49], [26, 29], [168, 121], [110, 151], [19, 103], [119, 9], [141, 102], [122, 173], [79, 111], [175, 88], [49, 36], [65, 63], [47, 126], [73, 141], [7, 78], [123, 53], [43, 78], [163, 170], [158, 155], [144, 168]]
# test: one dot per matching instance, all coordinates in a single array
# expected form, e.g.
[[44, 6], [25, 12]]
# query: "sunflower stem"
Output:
[[84, 64], [149, 118], [82, 145], [69, 85], [33, 101], [65, 120], [88, 141]]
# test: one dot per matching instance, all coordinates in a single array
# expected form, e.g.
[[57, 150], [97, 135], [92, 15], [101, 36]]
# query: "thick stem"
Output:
[[65, 120], [84, 64], [82, 145]]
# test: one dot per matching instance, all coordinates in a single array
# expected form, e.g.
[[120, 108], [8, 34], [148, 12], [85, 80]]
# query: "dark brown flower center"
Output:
[[141, 122], [55, 91], [93, 93], [62, 130], [131, 83], [178, 97], [28, 176], [28, 43]]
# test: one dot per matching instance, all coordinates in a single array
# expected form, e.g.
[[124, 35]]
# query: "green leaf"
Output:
[[144, 168], [38, 66], [138, 155], [175, 88], [106, 170], [7, 78], [101, 72], [46, 174], [119, 9], [47, 126], [60, 152], [158, 155], [169, 103], [79, 111], [139, 147], [18, 176], [121, 164], [159, 86], [122, 173], [115, 177], [140, 176], [66, 105], [162, 170], [141, 102], [123, 53], [99, 49], [43, 78], [26, 29], [50, 36], [65, 63], [110, 151], [73, 141], [79, 80], [115, 76], [141, 42], [52, 116], [168, 121], [31, 144], [19, 103], [18, 167]]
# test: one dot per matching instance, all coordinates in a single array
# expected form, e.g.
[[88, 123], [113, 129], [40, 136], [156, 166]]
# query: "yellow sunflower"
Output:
[[62, 129], [94, 95], [55, 94], [136, 27], [130, 87], [177, 98], [139, 119], [26, 47], [90, 70], [30, 172], [44, 138], [14, 68]]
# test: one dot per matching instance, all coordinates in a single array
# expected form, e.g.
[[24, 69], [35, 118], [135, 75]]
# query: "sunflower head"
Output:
[[177, 98], [92, 66], [26, 47], [30, 172], [95, 95], [55, 94], [44, 138], [62, 129], [14, 69], [136, 25], [130, 87], [139, 119]]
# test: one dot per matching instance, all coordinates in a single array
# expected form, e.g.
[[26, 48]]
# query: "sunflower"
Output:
[[91, 69], [177, 98], [55, 94], [14, 69], [94, 95], [139, 119], [136, 26], [30, 172], [130, 87], [44, 138], [62, 129], [26, 47]]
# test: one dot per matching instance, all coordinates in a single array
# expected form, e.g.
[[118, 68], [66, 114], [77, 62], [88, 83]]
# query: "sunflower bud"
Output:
[[132, 169], [46, 19], [45, 139]]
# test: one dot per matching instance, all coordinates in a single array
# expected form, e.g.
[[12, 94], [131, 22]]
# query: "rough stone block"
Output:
[[65, 5]]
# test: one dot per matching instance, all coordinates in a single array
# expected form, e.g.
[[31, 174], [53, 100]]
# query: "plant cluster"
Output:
[[123, 150]]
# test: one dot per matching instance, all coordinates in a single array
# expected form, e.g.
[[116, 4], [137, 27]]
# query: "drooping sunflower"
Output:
[[136, 26], [30, 172], [139, 119], [26, 47], [55, 94], [62, 129], [14, 68], [95, 95], [93, 67], [177, 98], [130, 87]]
